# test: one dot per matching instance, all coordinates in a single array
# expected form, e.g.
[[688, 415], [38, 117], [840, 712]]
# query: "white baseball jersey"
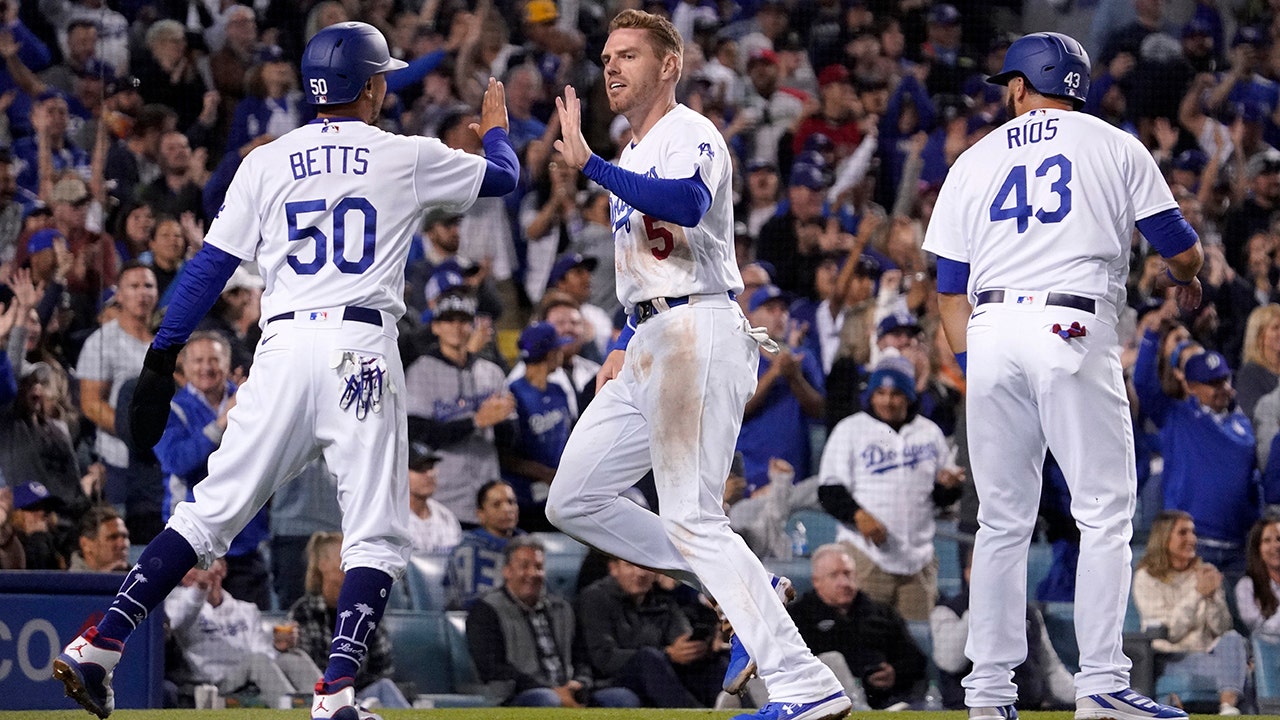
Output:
[[343, 247], [890, 474], [655, 258], [1053, 195]]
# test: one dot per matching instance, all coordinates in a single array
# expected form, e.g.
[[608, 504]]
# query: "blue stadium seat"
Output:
[[1039, 558], [796, 570], [563, 560], [819, 527], [425, 654], [1266, 664], [424, 582], [924, 640], [1059, 621]]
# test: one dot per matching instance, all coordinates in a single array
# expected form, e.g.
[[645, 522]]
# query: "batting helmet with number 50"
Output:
[[1054, 64], [340, 59]]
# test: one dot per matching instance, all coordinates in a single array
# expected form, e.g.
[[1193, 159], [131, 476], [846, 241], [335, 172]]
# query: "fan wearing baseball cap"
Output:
[[33, 521], [544, 421], [837, 116], [1209, 454]]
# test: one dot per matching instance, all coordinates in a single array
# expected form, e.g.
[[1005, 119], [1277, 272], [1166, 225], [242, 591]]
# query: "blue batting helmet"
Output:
[[340, 59], [1054, 64]]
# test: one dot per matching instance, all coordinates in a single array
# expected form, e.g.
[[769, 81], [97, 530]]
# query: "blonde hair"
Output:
[[316, 547], [1156, 559], [662, 34], [1259, 319]]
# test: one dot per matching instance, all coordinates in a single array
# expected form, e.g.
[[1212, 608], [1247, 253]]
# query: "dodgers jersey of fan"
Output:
[[299, 205], [1080, 183], [661, 259]]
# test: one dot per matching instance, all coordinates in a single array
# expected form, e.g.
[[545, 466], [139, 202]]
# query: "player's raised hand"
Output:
[[493, 109], [572, 145]]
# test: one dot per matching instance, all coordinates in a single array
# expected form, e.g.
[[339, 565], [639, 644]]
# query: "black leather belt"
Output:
[[1062, 299], [645, 309], [351, 312]]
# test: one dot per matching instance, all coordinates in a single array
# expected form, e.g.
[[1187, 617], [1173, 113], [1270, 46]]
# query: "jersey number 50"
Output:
[[339, 215], [1016, 184]]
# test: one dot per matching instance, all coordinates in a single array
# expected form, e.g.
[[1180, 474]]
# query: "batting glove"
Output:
[[149, 408]]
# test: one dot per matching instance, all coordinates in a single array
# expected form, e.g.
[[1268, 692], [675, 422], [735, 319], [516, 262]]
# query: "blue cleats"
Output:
[[85, 667], [832, 707], [1124, 705], [741, 667]]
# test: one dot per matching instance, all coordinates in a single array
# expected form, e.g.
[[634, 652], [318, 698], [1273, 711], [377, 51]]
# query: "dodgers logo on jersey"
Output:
[[621, 211]]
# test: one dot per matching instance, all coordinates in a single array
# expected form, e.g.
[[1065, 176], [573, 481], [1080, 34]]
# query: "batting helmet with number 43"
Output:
[[1054, 64], [340, 59]]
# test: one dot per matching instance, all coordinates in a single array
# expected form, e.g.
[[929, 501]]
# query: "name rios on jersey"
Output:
[[879, 459], [621, 211], [327, 159]]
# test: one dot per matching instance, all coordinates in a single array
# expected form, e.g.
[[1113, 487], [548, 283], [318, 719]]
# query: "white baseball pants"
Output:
[[677, 407], [286, 414], [1028, 390]]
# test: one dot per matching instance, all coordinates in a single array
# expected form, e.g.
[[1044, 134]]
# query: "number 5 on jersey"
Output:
[[664, 239], [1016, 185]]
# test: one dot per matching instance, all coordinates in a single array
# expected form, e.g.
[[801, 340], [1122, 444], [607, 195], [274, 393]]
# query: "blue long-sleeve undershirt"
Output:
[[201, 282], [1168, 232], [679, 201], [502, 171]]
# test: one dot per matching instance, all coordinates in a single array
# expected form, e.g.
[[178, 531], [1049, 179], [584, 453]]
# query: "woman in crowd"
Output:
[[1258, 592], [1175, 589]]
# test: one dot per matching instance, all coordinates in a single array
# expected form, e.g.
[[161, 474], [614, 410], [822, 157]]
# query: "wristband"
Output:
[[1176, 281]]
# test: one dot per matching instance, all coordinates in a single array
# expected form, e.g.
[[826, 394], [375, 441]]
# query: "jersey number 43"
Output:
[[1015, 185], [321, 241]]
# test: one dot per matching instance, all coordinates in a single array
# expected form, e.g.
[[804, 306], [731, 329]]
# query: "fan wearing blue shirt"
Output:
[[543, 425]]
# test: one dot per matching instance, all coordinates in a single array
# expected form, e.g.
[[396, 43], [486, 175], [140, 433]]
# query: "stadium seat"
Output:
[[1059, 622], [796, 570], [819, 527], [424, 583], [1266, 664], [923, 638], [423, 648], [563, 560]]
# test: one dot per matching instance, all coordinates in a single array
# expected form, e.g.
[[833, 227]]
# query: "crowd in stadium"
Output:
[[124, 120]]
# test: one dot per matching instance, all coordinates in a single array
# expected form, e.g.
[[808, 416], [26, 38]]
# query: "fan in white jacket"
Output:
[[224, 643], [884, 471]]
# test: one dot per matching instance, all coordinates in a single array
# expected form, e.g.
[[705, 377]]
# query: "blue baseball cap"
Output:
[[1207, 367], [1249, 35], [269, 53], [898, 321], [35, 496], [894, 372], [809, 176], [768, 293], [944, 14], [567, 262], [42, 240], [448, 276], [538, 340], [1193, 160]]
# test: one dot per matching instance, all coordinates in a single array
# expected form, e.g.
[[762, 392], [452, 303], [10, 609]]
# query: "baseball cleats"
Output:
[[337, 701], [741, 666], [1124, 705], [831, 707], [85, 668], [1004, 712]]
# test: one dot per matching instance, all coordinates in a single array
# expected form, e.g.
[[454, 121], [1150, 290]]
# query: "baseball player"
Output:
[[327, 211], [1032, 231], [672, 391]]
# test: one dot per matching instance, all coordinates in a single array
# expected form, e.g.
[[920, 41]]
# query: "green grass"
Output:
[[489, 714]]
